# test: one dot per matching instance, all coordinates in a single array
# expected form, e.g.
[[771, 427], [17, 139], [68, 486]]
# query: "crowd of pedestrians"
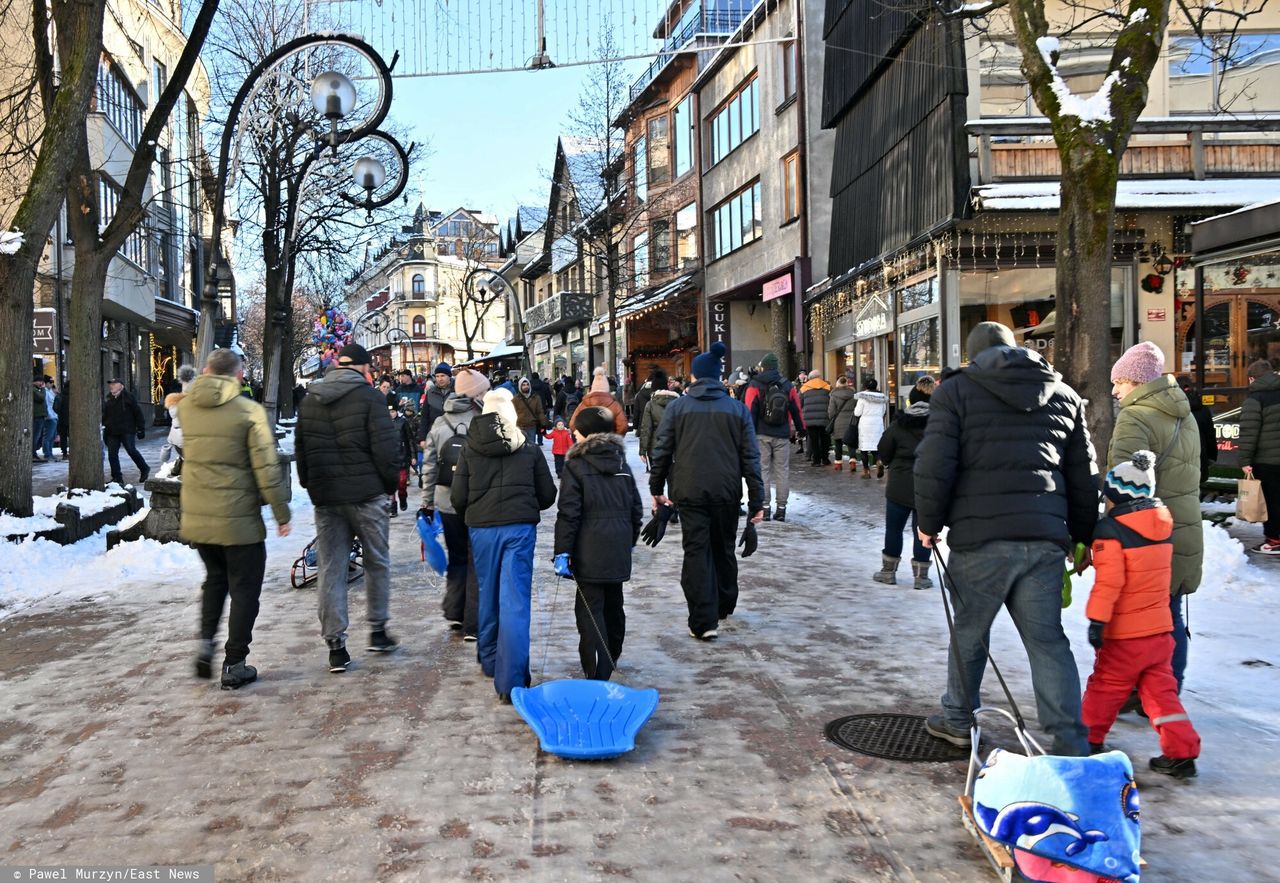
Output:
[[997, 454]]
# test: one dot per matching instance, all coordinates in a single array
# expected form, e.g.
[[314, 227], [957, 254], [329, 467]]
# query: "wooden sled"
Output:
[[998, 854]]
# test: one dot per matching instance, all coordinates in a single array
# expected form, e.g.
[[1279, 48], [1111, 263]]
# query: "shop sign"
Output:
[[578, 352], [776, 288], [575, 333], [542, 346], [1157, 315], [718, 324], [42, 327], [874, 319], [1226, 427]]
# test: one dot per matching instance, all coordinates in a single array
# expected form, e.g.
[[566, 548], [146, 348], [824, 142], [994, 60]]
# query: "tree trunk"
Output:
[[779, 337], [84, 364], [79, 38], [1082, 345]]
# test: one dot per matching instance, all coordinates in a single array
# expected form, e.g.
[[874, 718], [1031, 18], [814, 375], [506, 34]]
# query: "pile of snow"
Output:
[[44, 508], [10, 241], [37, 569]]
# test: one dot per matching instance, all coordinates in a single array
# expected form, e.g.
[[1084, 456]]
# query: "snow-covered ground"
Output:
[[44, 507]]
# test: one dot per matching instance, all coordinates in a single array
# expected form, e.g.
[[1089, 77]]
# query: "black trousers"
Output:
[[818, 444], [461, 591], [1269, 475], [113, 455], [236, 571], [602, 625], [709, 576]]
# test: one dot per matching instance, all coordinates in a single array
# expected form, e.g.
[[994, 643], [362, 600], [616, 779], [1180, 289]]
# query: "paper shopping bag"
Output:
[[1250, 504]]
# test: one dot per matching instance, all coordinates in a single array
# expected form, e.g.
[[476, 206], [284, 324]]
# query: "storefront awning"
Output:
[[654, 296], [503, 350]]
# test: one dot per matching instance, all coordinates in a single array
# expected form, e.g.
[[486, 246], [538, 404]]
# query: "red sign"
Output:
[[1157, 315], [777, 288]]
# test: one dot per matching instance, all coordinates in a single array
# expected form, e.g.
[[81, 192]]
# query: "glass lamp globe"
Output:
[[333, 95], [369, 173]]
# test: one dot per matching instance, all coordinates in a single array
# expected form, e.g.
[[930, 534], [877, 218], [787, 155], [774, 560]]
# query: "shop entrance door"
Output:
[[1239, 329]]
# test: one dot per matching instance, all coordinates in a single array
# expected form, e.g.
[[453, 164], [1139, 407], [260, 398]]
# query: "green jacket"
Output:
[[229, 465], [1146, 421], [1260, 423]]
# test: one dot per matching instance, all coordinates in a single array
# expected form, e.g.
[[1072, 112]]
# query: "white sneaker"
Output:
[[705, 636], [1266, 547]]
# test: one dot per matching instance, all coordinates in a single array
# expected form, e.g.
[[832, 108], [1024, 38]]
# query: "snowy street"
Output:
[[408, 767]]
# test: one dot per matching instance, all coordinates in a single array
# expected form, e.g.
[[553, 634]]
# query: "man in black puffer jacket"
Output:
[[705, 448], [597, 525], [346, 448], [500, 487], [1007, 464]]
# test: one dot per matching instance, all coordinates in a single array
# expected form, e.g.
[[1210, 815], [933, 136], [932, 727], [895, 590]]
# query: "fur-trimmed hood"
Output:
[[603, 452]]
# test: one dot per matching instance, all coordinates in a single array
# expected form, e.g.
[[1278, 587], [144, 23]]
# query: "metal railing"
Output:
[[714, 22]]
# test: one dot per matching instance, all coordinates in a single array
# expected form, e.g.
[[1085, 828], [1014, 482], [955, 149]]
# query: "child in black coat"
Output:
[[597, 525], [404, 457]]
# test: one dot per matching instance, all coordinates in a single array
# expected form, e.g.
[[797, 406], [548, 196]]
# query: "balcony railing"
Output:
[[723, 18], [1161, 147], [558, 313]]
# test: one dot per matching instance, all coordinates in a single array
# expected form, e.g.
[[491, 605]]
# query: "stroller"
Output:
[[306, 570]]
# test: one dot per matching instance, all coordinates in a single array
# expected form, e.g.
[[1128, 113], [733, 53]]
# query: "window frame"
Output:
[[789, 68], [640, 171], [418, 286], [640, 259], [728, 221], [660, 150], [740, 113], [690, 132], [692, 209], [419, 328], [792, 192], [115, 98]]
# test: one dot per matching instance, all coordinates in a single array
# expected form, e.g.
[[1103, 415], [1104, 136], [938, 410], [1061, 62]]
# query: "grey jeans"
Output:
[[775, 466], [336, 527], [1026, 578]]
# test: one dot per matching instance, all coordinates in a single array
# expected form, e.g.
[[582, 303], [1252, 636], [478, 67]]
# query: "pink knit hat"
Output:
[[470, 383], [599, 382], [1141, 363]]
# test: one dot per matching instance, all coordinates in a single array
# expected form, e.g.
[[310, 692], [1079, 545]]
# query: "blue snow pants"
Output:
[[504, 572]]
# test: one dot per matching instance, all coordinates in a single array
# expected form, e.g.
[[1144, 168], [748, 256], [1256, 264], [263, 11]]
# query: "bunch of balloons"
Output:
[[331, 331]]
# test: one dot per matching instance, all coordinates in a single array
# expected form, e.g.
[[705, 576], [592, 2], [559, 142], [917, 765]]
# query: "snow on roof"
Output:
[[1131, 194], [1242, 209]]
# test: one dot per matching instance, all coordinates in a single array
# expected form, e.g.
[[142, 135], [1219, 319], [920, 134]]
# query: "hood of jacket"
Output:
[[213, 390], [491, 436], [522, 383], [1163, 394], [915, 417], [604, 453], [815, 383], [459, 404], [1016, 376], [664, 394], [172, 399], [339, 383], [876, 398], [1265, 383], [707, 388], [764, 378], [1149, 518]]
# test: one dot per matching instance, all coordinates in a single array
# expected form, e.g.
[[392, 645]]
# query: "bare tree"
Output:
[[43, 123], [475, 298], [1092, 134]]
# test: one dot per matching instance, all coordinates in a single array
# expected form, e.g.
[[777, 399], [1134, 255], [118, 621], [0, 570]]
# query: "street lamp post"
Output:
[[501, 288], [333, 96]]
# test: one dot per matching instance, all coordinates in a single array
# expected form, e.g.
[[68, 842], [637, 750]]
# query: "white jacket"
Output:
[[871, 410]]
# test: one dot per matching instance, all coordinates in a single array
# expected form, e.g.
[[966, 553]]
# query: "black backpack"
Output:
[[450, 455], [774, 412]]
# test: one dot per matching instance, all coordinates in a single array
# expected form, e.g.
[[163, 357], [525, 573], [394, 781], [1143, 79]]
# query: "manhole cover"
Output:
[[892, 736]]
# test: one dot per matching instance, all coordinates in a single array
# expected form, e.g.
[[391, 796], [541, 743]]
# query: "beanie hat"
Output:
[[917, 395], [593, 421], [599, 383], [498, 401], [443, 368], [1141, 363], [769, 362], [986, 335], [1260, 368], [1134, 479], [186, 374], [353, 354], [470, 383], [658, 378], [711, 363]]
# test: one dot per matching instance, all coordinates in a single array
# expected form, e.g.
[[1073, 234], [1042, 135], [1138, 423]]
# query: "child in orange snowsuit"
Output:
[[561, 442], [1129, 620]]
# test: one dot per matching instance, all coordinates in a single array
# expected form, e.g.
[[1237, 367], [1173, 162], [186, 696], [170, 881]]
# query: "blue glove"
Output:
[[1095, 633], [562, 565]]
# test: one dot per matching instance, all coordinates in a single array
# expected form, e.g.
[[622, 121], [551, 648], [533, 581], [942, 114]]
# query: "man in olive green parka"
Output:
[[1153, 408], [230, 469]]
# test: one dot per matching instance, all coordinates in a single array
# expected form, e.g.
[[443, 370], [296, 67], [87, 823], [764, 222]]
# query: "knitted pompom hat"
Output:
[[1141, 363], [599, 383], [471, 384], [1134, 479], [711, 363]]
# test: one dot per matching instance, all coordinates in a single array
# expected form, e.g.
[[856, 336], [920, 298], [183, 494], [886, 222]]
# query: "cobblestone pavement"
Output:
[[408, 768]]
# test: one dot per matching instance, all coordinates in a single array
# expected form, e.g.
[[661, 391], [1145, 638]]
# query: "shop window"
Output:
[[920, 351], [687, 236], [659, 151], [921, 294], [791, 186]]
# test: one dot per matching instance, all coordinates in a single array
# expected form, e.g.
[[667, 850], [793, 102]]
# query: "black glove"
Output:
[[748, 541], [653, 532], [428, 514], [142, 434], [1095, 633]]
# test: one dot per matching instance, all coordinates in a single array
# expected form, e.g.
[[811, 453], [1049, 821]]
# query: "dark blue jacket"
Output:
[[1006, 456], [705, 448]]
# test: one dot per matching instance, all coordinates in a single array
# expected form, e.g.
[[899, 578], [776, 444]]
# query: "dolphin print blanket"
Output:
[[1067, 819]]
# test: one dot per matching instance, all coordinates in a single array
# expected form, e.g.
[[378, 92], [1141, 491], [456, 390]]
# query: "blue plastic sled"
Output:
[[585, 720], [432, 552]]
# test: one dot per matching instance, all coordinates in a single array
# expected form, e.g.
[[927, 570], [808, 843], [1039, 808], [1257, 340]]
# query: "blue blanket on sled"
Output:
[[1078, 811]]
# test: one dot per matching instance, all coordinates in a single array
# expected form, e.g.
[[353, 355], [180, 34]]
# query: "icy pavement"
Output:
[[407, 767]]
